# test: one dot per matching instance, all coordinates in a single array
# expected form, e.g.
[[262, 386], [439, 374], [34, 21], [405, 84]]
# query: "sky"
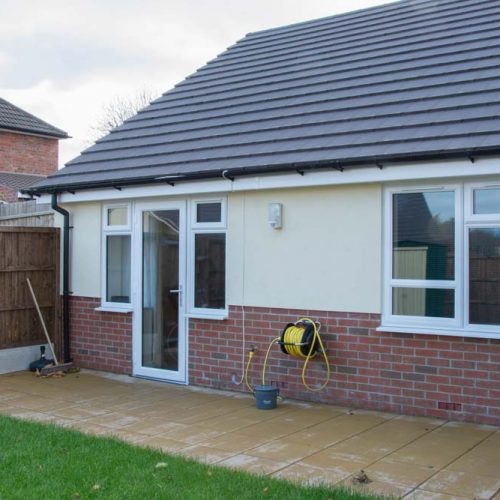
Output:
[[64, 60]]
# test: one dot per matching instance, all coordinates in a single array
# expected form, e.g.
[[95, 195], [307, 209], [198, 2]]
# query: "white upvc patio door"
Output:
[[159, 285]]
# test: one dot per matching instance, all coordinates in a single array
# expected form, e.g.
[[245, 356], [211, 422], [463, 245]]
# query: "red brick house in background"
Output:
[[28, 150]]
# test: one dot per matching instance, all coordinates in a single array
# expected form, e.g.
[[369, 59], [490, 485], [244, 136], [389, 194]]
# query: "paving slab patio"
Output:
[[406, 457]]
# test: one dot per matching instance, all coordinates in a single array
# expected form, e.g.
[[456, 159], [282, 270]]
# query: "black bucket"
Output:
[[266, 397]]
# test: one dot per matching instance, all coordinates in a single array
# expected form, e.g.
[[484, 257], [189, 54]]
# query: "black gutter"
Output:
[[66, 292], [334, 164]]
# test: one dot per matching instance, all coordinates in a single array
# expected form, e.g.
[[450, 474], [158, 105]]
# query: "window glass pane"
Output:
[[210, 271], [208, 212], [484, 276], [117, 216], [424, 235], [118, 268], [487, 201], [427, 302]]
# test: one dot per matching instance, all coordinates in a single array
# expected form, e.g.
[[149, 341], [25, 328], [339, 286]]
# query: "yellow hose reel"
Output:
[[302, 340], [299, 339]]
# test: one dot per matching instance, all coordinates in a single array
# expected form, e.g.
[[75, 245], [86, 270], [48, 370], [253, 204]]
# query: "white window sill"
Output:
[[448, 332], [114, 309], [218, 317]]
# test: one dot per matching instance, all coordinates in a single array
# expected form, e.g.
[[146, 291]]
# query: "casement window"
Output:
[[442, 260], [117, 236], [208, 258]]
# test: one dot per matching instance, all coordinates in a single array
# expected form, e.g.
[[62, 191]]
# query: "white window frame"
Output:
[[206, 228], [110, 230], [115, 228], [477, 221], [470, 216], [464, 220]]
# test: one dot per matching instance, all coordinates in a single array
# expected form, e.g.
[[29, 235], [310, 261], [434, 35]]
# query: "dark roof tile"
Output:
[[18, 181], [18, 120]]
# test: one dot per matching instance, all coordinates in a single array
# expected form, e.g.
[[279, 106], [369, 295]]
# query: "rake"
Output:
[[58, 367]]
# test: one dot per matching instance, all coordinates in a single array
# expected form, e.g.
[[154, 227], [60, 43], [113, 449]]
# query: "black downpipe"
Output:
[[65, 278]]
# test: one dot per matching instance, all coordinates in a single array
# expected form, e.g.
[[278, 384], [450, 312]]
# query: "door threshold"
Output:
[[156, 379]]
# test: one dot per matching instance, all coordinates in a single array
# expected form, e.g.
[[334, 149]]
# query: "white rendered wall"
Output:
[[327, 256], [85, 250]]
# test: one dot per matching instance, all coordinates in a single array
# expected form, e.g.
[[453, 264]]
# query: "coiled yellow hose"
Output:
[[292, 342]]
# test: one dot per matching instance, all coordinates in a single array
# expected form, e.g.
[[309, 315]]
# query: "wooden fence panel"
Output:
[[29, 252]]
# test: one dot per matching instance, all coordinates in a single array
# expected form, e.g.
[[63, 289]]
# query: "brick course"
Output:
[[100, 340], [27, 154], [454, 378]]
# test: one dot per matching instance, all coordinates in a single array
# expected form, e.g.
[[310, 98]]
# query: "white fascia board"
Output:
[[353, 175]]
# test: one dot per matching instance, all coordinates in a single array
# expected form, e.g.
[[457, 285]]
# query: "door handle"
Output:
[[179, 292]]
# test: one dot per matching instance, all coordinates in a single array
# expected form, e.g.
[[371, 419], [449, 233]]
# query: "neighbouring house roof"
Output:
[[18, 120], [415, 79], [17, 181]]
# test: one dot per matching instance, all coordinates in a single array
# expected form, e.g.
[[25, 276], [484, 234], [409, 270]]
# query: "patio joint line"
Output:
[[358, 434], [406, 444], [284, 435], [347, 412], [72, 404], [449, 463], [294, 462]]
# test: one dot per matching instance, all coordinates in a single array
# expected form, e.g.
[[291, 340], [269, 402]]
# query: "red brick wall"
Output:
[[27, 154], [100, 340], [447, 377]]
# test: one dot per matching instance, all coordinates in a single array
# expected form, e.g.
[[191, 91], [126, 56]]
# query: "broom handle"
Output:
[[42, 321]]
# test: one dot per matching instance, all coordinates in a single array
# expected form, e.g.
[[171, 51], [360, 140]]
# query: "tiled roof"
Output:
[[18, 120], [18, 181], [415, 79]]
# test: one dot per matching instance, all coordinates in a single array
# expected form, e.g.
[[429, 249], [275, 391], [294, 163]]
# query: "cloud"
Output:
[[53, 58], [62, 60]]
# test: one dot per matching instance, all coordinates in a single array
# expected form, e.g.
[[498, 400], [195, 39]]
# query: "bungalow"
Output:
[[346, 169]]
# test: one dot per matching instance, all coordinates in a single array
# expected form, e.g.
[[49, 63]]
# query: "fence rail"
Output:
[[26, 213]]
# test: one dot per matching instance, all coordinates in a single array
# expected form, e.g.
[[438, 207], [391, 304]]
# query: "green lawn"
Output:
[[46, 462]]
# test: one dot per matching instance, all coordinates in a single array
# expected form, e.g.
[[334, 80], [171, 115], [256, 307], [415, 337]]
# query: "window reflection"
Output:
[[487, 201], [484, 276], [426, 302], [208, 212], [424, 236], [117, 216], [118, 268], [210, 272], [160, 299]]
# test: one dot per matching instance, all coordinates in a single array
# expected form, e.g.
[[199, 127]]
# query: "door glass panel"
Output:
[[425, 302], [424, 236], [160, 300], [484, 276]]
